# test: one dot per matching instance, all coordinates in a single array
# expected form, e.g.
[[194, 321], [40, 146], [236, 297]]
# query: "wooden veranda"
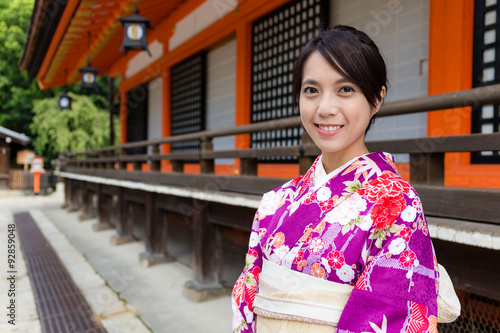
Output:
[[217, 210]]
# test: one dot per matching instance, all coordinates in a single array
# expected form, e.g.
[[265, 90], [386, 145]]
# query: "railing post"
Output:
[[207, 248], [73, 196], [155, 237], [67, 193], [427, 168], [155, 164], [101, 165], [101, 224], [137, 165], [109, 164], [121, 164], [249, 166], [84, 162], [305, 162], [207, 165], [86, 213], [178, 166], [123, 230]]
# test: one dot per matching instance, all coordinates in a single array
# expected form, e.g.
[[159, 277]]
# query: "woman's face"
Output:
[[334, 111]]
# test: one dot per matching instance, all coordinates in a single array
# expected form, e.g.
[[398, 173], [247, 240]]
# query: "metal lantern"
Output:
[[89, 74], [135, 37], [64, 102]]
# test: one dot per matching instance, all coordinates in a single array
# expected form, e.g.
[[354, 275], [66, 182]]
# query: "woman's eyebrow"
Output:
[[310, 81], [339, 81], [343, 80]]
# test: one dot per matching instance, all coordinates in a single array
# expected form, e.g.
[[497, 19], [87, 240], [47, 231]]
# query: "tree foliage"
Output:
[[16, 89], [83, 127], [22, 101]]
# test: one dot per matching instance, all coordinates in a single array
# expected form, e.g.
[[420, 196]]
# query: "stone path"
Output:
[[123, 295]]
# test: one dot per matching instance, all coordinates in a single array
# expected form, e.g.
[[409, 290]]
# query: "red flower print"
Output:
[[299, 256], [326, 205], [250, 296], [307, 180], [262, 232], [306, 237], [310, 198], [318, 271], [386, 211], [252, 253], [407, 258], [279, 239], [385, 186], [256, 274], [239, 289], [335, 259], [417, 204], [424, 229], [317, 245], [296, 181], [419, 322], [405, 233]]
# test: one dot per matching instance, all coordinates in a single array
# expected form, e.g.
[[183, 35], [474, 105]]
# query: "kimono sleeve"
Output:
[[397, 289], [245, 288]]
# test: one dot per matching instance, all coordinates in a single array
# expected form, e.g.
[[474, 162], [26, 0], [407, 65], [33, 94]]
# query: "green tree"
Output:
[[17, 90], [83, 127]]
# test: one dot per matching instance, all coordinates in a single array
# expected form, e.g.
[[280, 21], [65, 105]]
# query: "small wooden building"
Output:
[[10, 143]]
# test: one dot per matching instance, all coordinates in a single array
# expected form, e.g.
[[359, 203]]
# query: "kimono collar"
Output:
[[366, 166], [319, 174]]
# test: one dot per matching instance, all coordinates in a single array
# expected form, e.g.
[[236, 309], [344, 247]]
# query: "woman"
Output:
[[345, 247]]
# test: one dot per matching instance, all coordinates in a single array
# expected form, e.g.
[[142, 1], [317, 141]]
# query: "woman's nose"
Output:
[[328, 106]]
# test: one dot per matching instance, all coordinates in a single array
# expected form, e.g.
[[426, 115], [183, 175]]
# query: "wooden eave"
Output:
[[39, 35], [71, 48]]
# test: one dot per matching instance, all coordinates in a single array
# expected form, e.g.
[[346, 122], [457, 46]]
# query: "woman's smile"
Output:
[[328, 130]]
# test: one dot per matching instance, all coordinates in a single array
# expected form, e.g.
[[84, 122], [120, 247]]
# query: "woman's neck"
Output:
[[333, 160]]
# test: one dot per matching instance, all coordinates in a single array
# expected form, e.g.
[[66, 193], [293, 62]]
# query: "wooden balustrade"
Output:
[[208, 222]]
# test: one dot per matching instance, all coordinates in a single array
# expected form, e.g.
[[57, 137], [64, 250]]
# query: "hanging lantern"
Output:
[[64, 102], [135, 37], [89, 74]]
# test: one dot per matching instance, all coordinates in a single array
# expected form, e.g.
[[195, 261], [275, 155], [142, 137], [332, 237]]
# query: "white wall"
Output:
[[400, 28], [221, 94], [155, 96]]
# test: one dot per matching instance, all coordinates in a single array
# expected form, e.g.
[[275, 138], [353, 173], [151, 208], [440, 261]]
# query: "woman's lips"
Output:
[[328, 130]]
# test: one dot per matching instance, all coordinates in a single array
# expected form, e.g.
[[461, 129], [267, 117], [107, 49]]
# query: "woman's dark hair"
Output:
[[353, 54]]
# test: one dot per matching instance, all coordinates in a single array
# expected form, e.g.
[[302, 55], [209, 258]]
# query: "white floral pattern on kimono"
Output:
[[361, 225]]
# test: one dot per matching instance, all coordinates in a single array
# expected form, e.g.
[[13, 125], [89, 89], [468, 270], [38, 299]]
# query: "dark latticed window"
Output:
[[486, 118], [137, 116], [277, 40], [188, 87]]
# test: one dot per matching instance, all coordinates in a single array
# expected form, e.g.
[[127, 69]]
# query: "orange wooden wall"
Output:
[[450, 69]]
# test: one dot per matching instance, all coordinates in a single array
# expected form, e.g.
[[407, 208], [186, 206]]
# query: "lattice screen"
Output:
[[277, 40], [188, 100], [137, 117], [486, 118], [479, 314]]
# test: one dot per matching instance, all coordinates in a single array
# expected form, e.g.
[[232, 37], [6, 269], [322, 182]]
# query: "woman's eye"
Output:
[[310, 90], [346, 89]]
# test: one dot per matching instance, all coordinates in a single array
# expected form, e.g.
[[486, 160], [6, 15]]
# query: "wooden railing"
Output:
[[426, 157], [24, 180]]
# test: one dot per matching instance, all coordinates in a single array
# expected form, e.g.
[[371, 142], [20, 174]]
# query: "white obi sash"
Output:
[[290, 301]]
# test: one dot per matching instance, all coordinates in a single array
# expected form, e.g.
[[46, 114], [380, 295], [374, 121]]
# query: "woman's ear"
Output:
[[380, 101]]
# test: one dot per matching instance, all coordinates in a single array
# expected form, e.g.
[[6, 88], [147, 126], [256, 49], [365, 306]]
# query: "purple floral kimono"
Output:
[[361, 225]]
